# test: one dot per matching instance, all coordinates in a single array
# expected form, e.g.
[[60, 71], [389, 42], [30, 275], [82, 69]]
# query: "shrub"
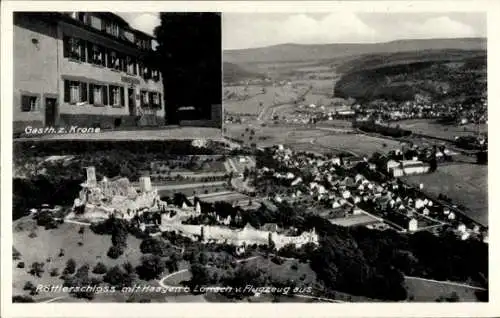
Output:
[[37, 269], [20, 265], [22, 299], [54, 272], [115, 251], [29, 286], [99, 268], [16, 255], [70, 267], [32, 235]]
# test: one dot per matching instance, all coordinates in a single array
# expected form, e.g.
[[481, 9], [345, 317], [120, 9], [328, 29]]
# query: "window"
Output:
[[116, 95], [98, 95], [129, 36], [74, 48], [112, 28], [96, 22], [144, 99], [29, 103], [156, 75], [96, 54], [75, 92], [115, 62], [131, 66]]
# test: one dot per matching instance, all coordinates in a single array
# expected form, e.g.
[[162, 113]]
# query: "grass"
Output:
[[193, 191], [428, 291], [358, 143], [429, 127], [48, 243], [465, 184]]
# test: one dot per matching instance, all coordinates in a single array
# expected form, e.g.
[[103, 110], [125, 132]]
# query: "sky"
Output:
[[145, 22], [247, 30]]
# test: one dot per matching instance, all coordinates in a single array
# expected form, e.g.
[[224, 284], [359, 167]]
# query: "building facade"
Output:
[[83, 68]]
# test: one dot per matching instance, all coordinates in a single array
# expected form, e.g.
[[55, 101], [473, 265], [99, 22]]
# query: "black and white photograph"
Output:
[[217, 156], [104, 75], [374, 136]]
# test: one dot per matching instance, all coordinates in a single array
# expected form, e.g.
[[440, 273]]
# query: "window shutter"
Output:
[[91, 95], [66, 91], [108, 57], [104, 90], [90, 52], [159, 99], [151, 98], [111, 96], [122, 96], [103, 54], [25, 103], [82, 51], [66, 46], [84, 93]]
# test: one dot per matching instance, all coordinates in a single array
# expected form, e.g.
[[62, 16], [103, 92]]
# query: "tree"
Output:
[[37, 269], [70, 267], [115, 251], [199, 275], [155, 246], [189, 60], [151, 267], [117, 277], [99, 268], [16, 255]]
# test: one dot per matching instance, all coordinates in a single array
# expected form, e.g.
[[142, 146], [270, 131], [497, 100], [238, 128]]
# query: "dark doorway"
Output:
[[50, 111], [131, 101]]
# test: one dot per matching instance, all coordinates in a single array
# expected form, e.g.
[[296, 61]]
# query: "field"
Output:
[[195, 190], [48, 243], [465, 184], [429, 291], [429, 127], [252, 99], [358, 144]]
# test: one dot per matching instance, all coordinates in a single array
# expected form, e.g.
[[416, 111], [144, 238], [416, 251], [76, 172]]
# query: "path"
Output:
[[162, 283], [445, 282]]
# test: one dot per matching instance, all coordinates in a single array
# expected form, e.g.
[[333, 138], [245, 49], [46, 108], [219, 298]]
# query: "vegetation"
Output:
[[399, 77]]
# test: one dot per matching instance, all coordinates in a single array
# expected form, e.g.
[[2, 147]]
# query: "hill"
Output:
[[236, 73], [451, 75], [299, 52]]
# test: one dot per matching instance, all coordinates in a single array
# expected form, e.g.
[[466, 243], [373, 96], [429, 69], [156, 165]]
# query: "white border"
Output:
[[245, 310]]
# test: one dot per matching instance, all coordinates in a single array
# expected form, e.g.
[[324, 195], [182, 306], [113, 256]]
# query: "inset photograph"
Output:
[[117, 75], [371, 129]]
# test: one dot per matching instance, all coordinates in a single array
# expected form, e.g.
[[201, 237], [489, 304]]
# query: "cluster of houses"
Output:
[[422, 108], [118, 198], [401, 206]]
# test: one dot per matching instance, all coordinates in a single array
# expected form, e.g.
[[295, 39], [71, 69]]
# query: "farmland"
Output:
[[464, 184], [432, 128]]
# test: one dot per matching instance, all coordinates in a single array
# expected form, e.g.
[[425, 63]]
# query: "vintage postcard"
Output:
[[168, 158]]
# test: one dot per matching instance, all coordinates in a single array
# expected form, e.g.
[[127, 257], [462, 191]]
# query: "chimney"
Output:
[[91, 178]]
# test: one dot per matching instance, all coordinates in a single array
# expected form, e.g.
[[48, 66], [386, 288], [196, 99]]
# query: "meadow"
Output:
[[464, 184]]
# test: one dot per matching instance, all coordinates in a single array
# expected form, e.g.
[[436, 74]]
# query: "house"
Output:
[[409, 167], [83, 68]]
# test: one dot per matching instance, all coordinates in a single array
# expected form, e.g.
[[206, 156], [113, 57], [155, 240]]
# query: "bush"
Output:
[[20, 265], [22, 299], [37, 269], [115, 251], [32, 235], [16, 255], [54, 272], [99, 268], [29, 286], [70, 267]]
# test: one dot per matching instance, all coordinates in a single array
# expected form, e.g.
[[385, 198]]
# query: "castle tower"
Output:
[[145, 184], [91, 178]]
